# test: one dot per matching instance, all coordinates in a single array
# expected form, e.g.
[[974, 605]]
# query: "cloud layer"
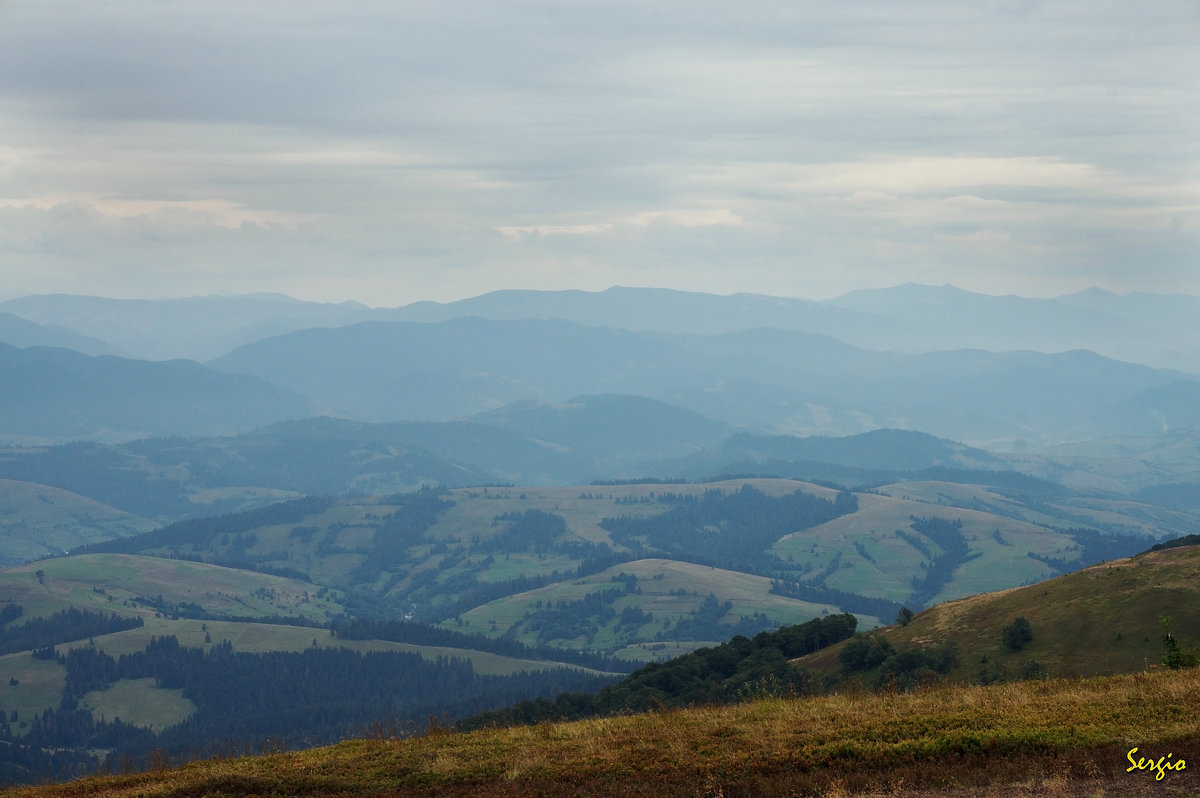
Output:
[[389, 152]]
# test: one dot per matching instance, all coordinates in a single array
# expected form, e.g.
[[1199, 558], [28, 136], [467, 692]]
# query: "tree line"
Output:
[[740, 669], [727, 530], [63, 626], [293, 699]]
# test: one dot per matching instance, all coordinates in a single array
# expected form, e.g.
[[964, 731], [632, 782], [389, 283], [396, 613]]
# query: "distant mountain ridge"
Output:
[[762, 380], [56, 394], [196, 328], [1147, 328], [775, 381], [642, 310], [22, 333], [910, 357], [884, 450]]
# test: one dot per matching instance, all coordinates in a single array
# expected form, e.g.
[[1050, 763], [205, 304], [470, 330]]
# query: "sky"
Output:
[[388, 152]]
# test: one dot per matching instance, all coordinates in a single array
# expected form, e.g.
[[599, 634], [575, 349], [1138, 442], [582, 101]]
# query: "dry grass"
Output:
[[1061, 737]]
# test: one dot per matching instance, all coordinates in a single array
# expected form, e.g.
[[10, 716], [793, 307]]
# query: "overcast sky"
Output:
[[393, 151]]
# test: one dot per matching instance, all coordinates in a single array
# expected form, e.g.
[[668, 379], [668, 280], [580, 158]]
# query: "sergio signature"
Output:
[[1160, 766]]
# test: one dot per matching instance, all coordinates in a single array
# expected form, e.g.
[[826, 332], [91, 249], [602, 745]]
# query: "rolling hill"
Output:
[[164, 644], [1100, 620], [586, 439], [38, 521], [564, 568], [57, 394], [758, 379], [586, 567], [172, 478]]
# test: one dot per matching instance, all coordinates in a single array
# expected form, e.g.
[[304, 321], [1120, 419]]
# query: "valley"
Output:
[[485, 535]]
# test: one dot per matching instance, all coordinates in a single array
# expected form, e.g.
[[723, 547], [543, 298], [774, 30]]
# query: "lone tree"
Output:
[[1174, 657], [1017, 634]]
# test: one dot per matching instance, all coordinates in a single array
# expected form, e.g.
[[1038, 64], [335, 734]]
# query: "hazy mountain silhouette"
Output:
[[197, 328], [774, 381], [22, 333], [1147, 328], [54, 393]]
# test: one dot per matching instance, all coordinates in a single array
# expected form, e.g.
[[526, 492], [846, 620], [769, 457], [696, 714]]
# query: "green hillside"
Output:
[[644, 609], [70, 598], [1104, 619], [642, 571], [776, 551], [39, 683], [139, 585], [1145, 486], [39, 521]]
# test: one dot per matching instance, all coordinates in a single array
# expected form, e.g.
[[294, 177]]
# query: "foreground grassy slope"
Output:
[[1065, 737], [1099, 620]]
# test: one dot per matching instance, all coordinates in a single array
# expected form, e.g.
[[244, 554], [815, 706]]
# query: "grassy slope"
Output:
[[40, 521], [256, 638], [343, 535], [1064, 511], [897, 562], [670, 590], [39, 686], [1119, 464], [1037, 736], [1100, 620], [40, 682], [872, 559], [110, 582]]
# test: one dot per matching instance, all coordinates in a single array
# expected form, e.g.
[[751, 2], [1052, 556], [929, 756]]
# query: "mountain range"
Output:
[[526, 492], [765, 381], [1155, 329]]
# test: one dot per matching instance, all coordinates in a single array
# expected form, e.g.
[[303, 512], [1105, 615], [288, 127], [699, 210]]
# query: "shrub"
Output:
[[1017, 634]]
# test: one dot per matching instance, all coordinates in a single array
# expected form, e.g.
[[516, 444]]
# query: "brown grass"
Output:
[[1037, 738]]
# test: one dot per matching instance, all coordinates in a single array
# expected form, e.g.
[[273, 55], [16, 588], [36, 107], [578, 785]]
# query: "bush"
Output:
[[1017, 634], [864, 652]]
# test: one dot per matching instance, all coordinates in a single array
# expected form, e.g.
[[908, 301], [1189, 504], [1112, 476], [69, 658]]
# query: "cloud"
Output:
[[436, 150]]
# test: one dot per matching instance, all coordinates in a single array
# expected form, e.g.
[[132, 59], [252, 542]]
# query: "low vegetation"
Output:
[[1054, 737], [1101, 620]]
